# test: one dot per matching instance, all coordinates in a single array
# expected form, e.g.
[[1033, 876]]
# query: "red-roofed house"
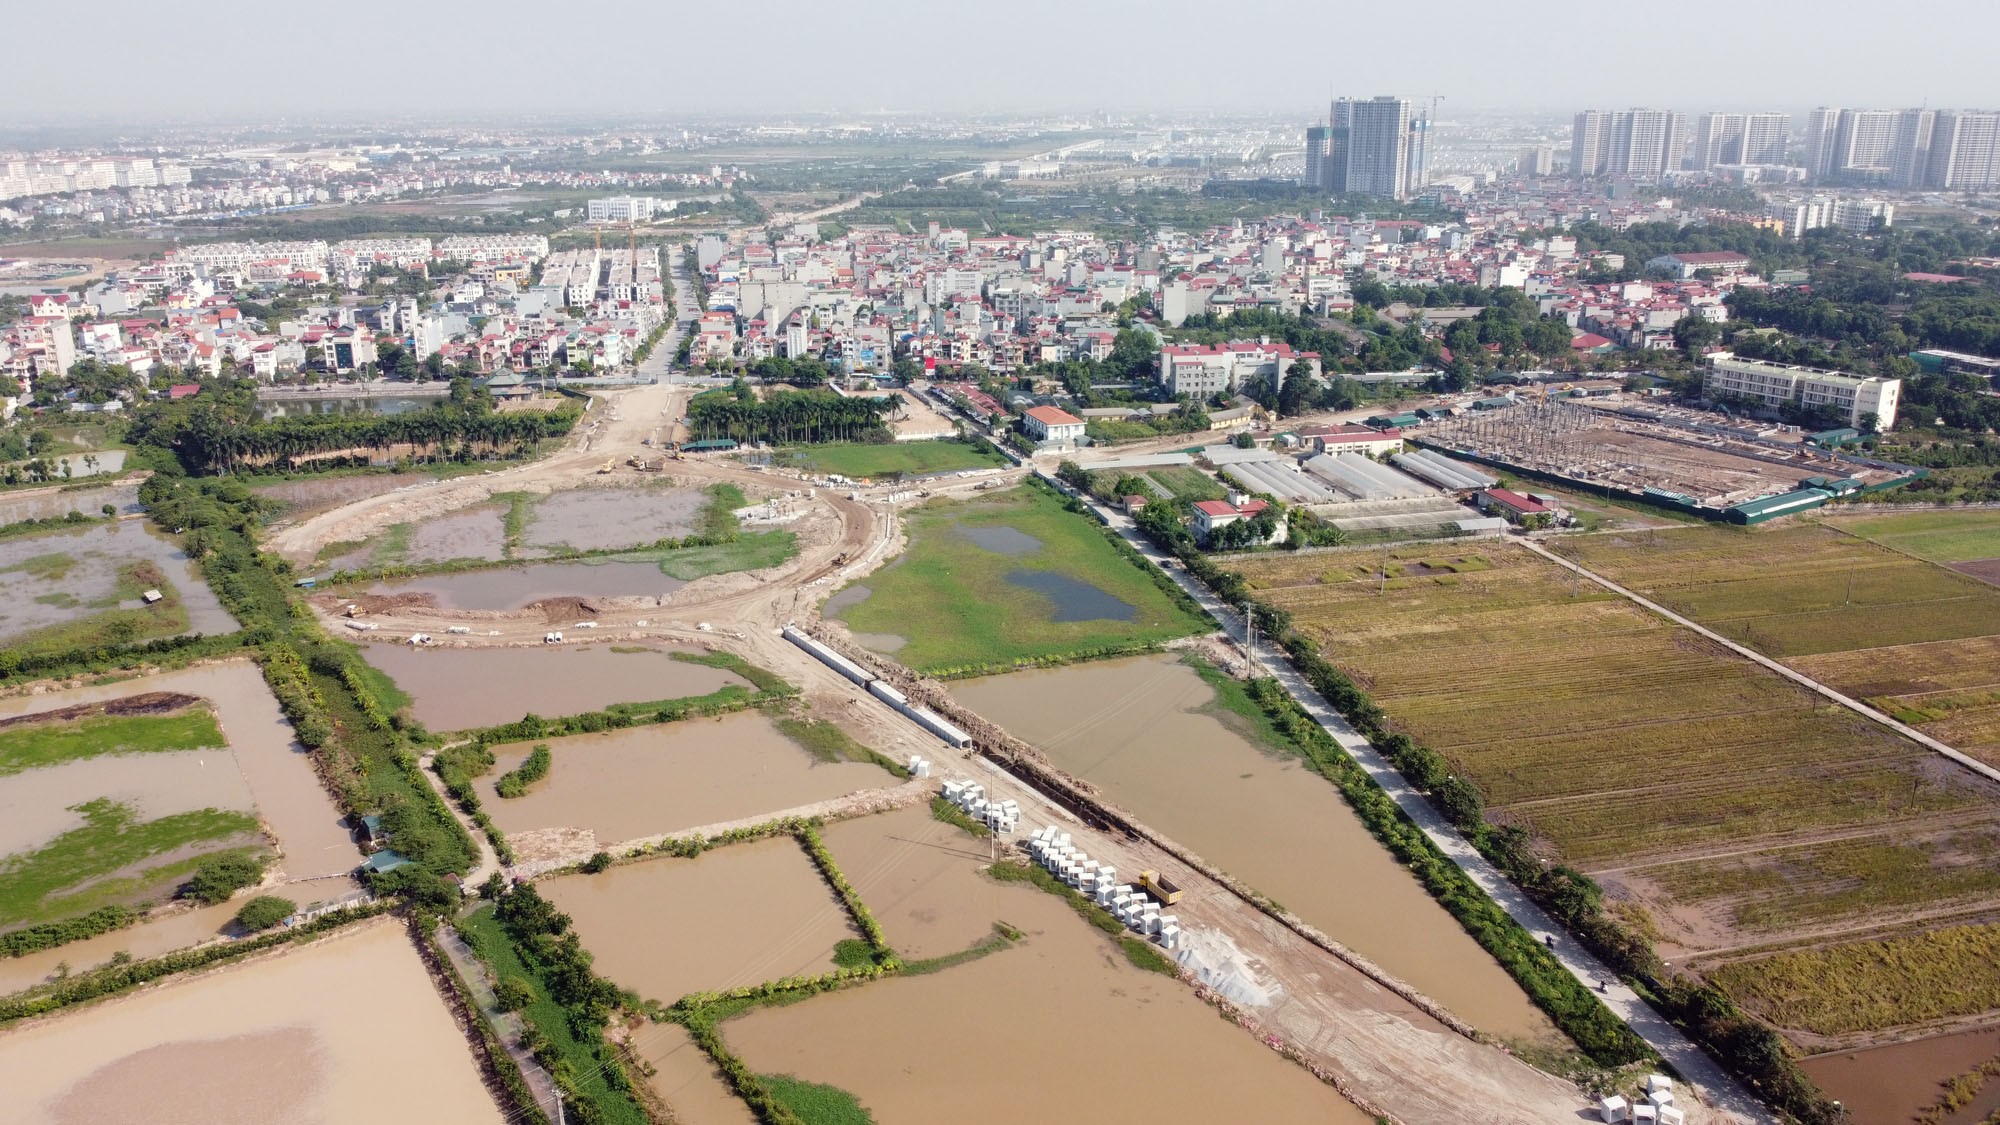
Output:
[[1353, 438], [1050, 426], [1513, 505], [183, 390], [1210, 515]]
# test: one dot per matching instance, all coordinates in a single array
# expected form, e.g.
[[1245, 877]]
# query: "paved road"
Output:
[[1800, 678], [1714, 1085], [658, 365]]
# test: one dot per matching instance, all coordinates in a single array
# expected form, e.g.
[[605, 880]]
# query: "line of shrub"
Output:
[[688, 847], [48, 935], [38, 525], [864, 920], [533, 768], [458, 767], [724, 700], [1047, 660], [115, 978]]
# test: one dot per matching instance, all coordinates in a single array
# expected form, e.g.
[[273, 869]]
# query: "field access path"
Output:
[[1716, 1087], [1797, 677]]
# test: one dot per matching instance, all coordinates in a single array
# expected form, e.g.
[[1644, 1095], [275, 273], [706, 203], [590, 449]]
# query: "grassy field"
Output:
[[1943, 536], [105, 859], [1731, 805], [816, 1102], [753, 551], [1843, 989], [584, 1059], [972, 615], [1185, 483], [1909, 637], [48, 744], [854, 459]]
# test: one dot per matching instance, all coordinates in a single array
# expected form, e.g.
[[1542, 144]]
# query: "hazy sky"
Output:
[[144, 61]]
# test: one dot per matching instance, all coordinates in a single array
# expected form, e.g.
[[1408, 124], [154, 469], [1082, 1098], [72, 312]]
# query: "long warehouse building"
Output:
[[1442, 471], [1364, 479]]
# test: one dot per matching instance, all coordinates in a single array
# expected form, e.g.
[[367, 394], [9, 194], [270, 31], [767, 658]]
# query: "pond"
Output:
[[593, 519], [332, 1031], [510, 588], [1145, 729], [1055, 1028], [453, 689], [669, 777], [62, 576], [1075, 599], [733, 916]]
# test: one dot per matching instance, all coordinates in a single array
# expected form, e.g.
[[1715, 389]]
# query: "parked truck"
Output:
[[1160, 887]]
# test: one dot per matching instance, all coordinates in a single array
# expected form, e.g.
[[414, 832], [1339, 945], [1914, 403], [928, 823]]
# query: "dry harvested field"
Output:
[[1913, 638], [1736, 809]]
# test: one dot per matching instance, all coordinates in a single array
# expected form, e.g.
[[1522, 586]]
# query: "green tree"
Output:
[[265, 911], [220, 876], [513, 994]]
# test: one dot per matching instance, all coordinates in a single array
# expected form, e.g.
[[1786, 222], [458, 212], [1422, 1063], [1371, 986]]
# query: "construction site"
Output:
[[1689, 459]]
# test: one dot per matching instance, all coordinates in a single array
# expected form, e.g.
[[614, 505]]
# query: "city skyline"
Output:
[[907, 56]]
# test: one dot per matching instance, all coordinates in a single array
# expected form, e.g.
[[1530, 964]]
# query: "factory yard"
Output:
[[332, 1030], [1751, 821], [1634, 447]]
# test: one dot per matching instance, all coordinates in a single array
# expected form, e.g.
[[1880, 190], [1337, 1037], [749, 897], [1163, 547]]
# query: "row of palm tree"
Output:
[[787, 416]]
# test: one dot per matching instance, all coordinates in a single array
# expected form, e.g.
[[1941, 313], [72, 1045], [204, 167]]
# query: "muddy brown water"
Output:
[[668, 777], [263, 756], [475, 534], [336, 1030], [1056, 1028], [308, 495], [148, 939], [38, 805], [453, 689], [514, 587], [686, 1078], [593, 519], [1890, 1084], [733, 916], [920, 878], [55, 503], [1134, 728], [97, 553]]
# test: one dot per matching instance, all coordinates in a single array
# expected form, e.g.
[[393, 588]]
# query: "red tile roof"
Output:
[[1050, 416]]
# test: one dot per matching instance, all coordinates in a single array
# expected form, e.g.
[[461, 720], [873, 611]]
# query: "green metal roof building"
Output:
[[1771, 507]]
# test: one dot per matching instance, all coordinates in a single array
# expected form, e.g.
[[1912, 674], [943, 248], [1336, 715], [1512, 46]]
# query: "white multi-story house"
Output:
[[1856, 398]]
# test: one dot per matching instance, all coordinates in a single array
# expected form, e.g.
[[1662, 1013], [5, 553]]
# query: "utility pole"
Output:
[[560, 1119]]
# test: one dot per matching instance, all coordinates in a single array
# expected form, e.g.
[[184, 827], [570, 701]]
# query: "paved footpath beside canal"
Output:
[[1715, 1085]]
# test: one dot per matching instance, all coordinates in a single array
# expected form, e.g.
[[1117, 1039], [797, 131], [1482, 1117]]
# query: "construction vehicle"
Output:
[[610, 463], [1160, 887]]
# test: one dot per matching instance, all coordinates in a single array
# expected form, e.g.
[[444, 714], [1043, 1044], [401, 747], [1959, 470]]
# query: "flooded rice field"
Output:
[[515, 587], [262, 758], [593, 519], [1889, 1085], [454, 689], [38, 805], [920, 877], [1135, 728], [1058, 1027], [664, 778], [62, 576], [55, 502], [687, 1080], [336, 1030], [1075, 599], [734, 916]]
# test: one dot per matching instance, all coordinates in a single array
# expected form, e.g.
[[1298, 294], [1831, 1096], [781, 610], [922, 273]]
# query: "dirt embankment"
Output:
[[145, 703]]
